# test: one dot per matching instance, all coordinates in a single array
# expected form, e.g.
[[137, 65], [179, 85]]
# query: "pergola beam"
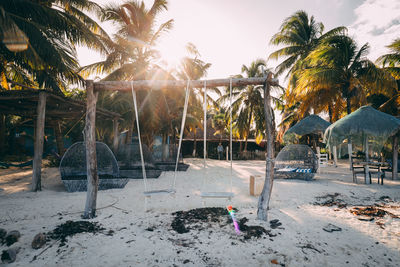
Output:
[[176, 84], [22, 102]]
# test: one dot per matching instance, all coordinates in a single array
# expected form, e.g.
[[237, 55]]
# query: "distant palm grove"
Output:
[[325, 71]]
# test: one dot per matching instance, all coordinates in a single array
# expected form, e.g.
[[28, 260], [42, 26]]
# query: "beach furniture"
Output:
[[367, 128], [367, 169], [296, 162], [73, 168], [256, 184]]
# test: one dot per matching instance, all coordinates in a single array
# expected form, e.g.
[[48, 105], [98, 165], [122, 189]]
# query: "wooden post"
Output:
[[319, 159], [2, 134], [59, 138], [395, 156], [194, 142], [263, 201], [335, 155], [367, 181], [39, 139], [350, 151], [116, 134], [91, 159], [314, 141], [252, 185]]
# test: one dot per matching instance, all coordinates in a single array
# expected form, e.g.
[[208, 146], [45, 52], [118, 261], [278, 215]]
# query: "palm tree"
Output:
[[248, 101], [220, 122], [391, 63], [300, 34], [193, 68], [132, 56], [45, 34], [341, 71]]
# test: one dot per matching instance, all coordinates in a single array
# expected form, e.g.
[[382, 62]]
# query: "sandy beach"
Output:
[[133, 237]]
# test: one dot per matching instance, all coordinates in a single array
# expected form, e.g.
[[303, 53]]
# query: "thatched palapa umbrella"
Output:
[[308, 125], [363, 125], [312, 124]]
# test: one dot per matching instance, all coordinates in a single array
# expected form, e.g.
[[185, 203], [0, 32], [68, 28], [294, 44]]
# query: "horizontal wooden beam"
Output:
[[79, 104], [175, 84], [22, 97]]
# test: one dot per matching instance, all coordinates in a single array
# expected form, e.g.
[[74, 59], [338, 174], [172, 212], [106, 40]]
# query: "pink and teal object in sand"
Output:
[[232, 213]]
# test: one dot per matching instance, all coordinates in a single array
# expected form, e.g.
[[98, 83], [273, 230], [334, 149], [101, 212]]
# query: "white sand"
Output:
[[360, 243]]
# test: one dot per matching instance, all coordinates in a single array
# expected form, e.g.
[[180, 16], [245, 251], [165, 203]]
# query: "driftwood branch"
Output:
[[263, 201], [91, 160]]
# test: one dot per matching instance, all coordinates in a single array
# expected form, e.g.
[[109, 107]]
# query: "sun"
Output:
[[171, 53]]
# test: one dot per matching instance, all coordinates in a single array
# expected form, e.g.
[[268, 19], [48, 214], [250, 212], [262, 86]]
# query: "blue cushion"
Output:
[[304, 170]]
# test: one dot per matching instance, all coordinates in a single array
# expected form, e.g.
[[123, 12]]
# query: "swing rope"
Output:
[[230, 126], [229, 194], [182, 129], [205, 133], [138, 132], [172, 189]]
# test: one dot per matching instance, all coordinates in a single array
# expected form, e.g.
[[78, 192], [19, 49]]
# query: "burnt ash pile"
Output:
[[330, 200], [203, 218], [71, 228], [372, 211], [362, 211], [252, 230]]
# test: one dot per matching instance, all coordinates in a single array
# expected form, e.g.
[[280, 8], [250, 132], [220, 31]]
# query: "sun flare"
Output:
[[171, 53]]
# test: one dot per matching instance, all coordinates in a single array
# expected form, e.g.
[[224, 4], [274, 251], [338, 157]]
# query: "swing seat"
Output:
[[159, 192], [228, 195]]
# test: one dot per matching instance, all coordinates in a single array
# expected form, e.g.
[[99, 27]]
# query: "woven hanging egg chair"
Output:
[[296, 162]]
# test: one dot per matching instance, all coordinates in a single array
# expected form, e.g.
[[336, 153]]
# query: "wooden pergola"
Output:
[[93, 88], [47, 107]]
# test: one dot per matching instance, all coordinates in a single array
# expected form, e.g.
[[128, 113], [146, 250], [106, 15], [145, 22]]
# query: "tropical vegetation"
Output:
[[326, 71], [50, 31]]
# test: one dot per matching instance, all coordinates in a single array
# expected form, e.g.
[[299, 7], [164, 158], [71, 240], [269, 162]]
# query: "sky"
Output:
[[230, 33]]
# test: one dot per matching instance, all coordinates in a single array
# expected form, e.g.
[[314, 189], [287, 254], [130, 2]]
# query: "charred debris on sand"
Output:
[[200, 219]]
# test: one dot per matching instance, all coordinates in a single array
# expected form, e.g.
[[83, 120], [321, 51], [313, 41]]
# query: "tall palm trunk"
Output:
[[348, 104], [330, 113]]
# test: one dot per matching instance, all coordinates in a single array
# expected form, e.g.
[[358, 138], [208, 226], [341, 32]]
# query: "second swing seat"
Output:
[[228, 195], [158, 192]]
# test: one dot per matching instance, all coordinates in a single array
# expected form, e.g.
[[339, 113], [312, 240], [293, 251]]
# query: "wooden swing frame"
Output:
[[93, 88]]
